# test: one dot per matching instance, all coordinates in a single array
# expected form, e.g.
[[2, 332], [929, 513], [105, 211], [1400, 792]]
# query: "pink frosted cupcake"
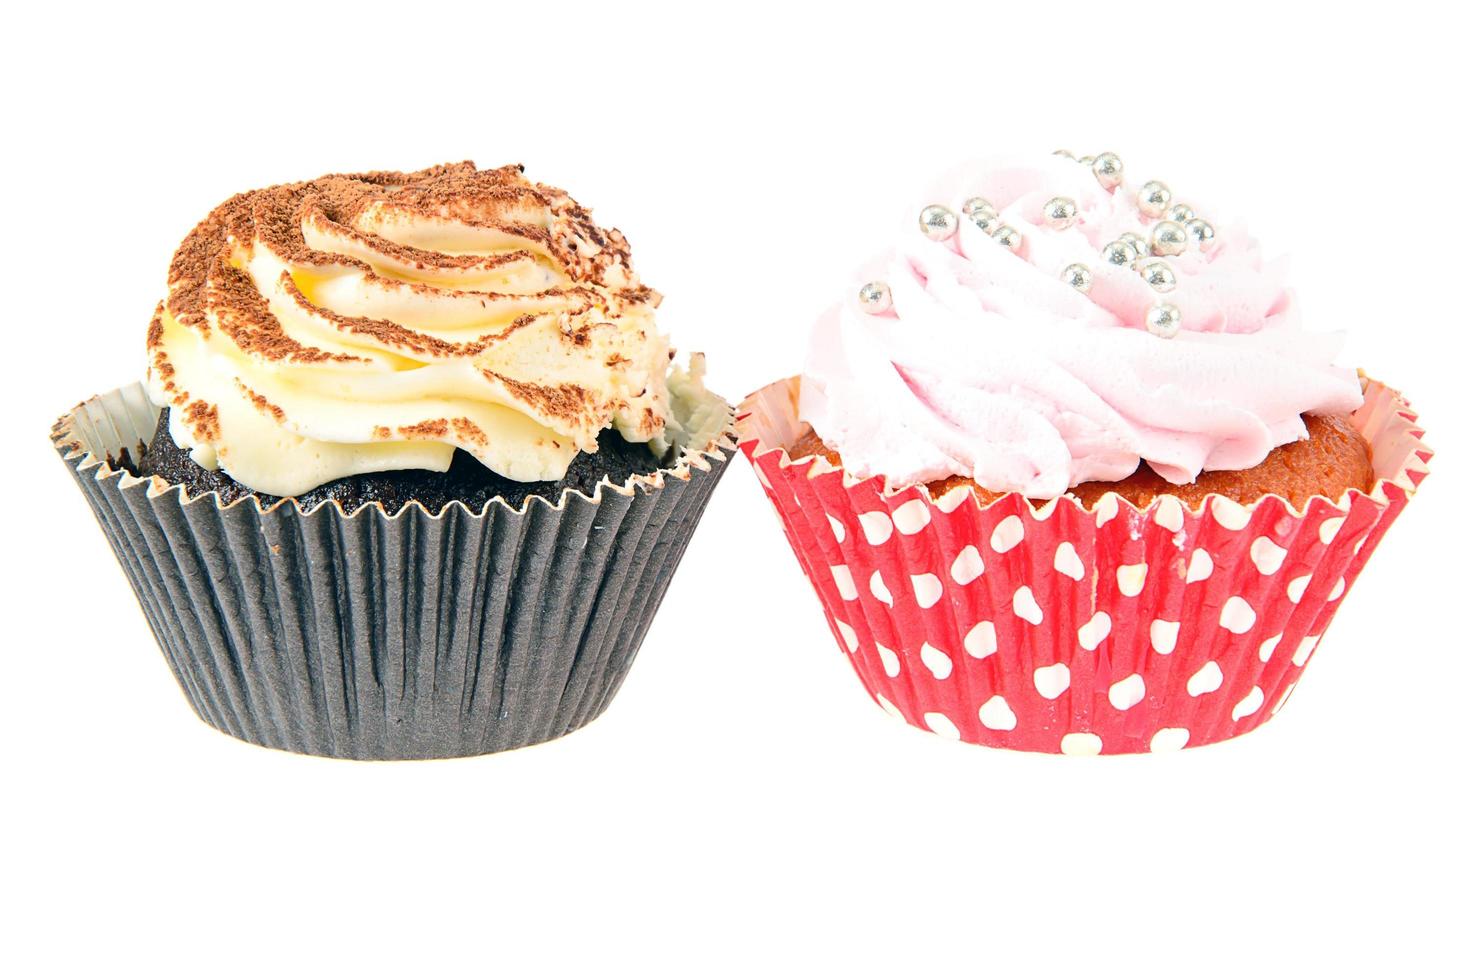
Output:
[[1067, 472]]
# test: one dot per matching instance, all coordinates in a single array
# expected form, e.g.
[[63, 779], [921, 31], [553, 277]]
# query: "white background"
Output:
[[742, 808]]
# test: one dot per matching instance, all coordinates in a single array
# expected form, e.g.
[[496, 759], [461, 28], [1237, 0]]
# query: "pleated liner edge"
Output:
[[415, 636]]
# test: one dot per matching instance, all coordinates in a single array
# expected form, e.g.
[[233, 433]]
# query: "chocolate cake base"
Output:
[[467, 480]]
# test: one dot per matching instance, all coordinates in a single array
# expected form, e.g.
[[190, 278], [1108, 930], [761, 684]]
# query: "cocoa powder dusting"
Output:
[[339, 225], [245, 317], [203, 420], [468, 431], [155, 328], [262, 404], [428, 429], [564, 401]]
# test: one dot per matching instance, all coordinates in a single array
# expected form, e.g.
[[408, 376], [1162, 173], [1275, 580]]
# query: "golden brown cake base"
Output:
[[1331, 460]]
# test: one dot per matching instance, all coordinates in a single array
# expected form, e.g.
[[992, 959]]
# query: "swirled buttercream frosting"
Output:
[[360, 323], [1049, 321]]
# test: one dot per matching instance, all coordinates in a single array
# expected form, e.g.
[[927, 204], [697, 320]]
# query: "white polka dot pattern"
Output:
[[877, 526], [954, 500], [1201, 566], [1094, 631], [980, 641], [1328, 529], [879, 588], [1067, 562], [997, 715], [1023, 604], [1081, 743], [1169, 514], [1127, 692], [842, 578], [1228, 514], [1237, 615], [912, 517], [1248, 705], [927, 589], [1206, 680], [1169, 740], [940, 724], [1268, 647], [1053, 629], [1131, 579], [1267, 555], [967, 565], [889, 659], [1052, 681], [937, 661], [1162, 636], [1007, 534]]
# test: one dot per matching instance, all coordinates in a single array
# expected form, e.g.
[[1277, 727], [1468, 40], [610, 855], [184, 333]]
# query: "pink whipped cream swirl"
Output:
[[990, 366]]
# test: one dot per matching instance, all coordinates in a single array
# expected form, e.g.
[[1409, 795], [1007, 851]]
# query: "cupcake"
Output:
[[411, 468], [1068, 473]]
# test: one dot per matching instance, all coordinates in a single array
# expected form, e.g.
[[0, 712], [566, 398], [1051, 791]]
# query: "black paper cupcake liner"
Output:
[[411, 636]]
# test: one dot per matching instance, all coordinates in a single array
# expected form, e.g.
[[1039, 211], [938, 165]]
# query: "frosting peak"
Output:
[[366, 322], [990, 356]]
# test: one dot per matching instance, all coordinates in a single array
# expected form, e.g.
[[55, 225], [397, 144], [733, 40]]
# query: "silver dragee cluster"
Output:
[[1175, 227]]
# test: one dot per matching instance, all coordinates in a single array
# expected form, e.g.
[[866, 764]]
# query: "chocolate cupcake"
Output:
[[1068, 473], [412, 466]]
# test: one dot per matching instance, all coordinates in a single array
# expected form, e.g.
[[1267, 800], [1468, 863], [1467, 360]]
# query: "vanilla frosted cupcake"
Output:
[[411, 467], [1069, 473]]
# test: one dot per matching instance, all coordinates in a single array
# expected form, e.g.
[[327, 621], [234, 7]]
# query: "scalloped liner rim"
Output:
[[70, 445], [1400, 479]]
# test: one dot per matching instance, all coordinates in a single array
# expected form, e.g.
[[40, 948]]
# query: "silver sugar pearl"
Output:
[[938, 222], [1158, 275], [1119, 253], [1201, 231], [977, 205], [1009, 237], [1180, 213], [1108, 168], [1163, 320], [1078, 276], [1168, 238], [874, 298], [986, 221], [1059, 213], [1139, 243], [1153, 198]]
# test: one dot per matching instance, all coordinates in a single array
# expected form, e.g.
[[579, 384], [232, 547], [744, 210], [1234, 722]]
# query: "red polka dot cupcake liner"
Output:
[[1071, 630]]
